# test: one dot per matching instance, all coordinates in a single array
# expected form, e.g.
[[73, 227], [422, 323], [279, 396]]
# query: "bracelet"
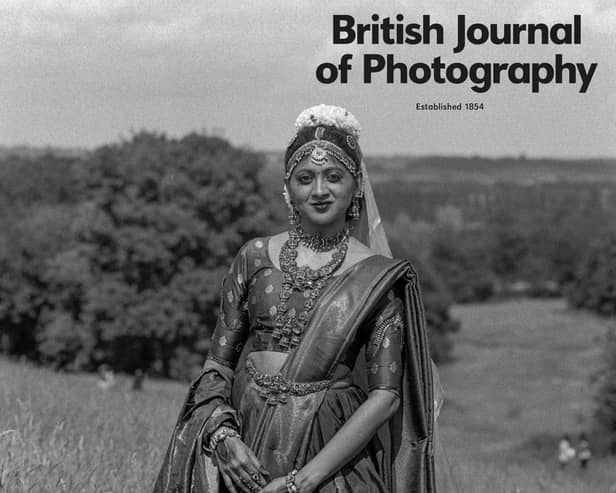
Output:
[[220, 434], [290, 482]]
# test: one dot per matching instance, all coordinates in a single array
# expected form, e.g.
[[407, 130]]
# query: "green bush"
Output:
[[594, 288], [436, 297], [594, 284]]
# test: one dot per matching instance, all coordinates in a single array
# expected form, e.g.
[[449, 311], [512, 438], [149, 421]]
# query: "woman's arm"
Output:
[[351, 439], [236, 463], [384, 349]]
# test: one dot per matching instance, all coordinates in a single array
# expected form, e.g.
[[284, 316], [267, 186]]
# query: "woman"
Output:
[[318, 376]]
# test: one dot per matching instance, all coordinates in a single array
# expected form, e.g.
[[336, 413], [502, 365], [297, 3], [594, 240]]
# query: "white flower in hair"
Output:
[[328, 115]]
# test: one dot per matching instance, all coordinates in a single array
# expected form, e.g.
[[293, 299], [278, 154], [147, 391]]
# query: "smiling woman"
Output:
[[318, 377]]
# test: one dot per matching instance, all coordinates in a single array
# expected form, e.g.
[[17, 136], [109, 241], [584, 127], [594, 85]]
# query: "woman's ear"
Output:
[[287, 195]]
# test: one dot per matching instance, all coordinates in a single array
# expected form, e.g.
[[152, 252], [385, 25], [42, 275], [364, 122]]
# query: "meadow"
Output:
[[520, 379]]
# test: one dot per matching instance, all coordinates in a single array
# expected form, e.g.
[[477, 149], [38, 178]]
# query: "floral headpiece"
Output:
[[323, 131]]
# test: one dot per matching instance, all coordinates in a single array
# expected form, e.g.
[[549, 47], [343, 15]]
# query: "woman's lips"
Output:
[[321, 206]]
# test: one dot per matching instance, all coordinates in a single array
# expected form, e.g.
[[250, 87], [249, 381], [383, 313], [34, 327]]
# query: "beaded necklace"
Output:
[[290, 326]]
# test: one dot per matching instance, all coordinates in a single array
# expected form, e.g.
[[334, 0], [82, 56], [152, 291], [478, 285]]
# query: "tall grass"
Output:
[[519, 381], [61, 433]]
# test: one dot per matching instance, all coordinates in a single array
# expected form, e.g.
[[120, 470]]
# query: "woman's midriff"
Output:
[[268, 361]]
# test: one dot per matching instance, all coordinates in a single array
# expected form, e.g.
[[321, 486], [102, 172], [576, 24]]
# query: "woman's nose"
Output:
[[320, 187]]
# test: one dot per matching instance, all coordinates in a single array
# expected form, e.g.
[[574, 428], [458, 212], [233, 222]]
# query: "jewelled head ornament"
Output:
[[340, 134], [324, 132]]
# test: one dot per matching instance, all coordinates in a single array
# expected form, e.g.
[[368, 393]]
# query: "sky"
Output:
[[83, 73]]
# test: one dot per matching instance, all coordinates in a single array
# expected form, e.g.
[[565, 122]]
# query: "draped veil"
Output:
[[371, 232]]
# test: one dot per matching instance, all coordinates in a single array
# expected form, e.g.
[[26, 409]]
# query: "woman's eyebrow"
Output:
[[324, 168]]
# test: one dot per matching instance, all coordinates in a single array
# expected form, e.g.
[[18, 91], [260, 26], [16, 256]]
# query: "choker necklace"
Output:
[[319, 243], [289, 325]]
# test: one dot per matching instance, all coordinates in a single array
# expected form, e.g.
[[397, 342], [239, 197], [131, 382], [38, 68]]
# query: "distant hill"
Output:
[[457, 169], [29, 152], [476, 169]]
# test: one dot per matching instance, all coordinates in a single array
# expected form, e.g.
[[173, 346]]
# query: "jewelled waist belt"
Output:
[[276, 389]]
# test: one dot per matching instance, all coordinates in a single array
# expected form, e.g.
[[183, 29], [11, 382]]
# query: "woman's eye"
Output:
[[334, 178], [304, 179]]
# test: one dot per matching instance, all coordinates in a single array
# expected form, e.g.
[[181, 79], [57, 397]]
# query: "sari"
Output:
[[281, 432]]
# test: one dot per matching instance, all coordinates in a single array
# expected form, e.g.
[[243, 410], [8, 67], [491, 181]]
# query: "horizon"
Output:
[[407, 155]]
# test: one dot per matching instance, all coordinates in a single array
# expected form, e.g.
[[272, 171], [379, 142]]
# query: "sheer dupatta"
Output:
[[371, 232]]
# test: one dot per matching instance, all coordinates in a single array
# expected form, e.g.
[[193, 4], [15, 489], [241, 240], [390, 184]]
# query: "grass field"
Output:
[[520, 379]]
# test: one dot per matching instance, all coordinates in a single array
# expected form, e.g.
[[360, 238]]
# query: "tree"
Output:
[[411, 240], [594, 288], [141, 281], [594, 285]]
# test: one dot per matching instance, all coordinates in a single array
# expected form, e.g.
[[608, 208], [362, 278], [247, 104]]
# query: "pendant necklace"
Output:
[[289, 325]]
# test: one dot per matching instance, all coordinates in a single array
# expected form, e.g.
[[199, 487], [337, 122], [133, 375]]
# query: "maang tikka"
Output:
[[318, 156]]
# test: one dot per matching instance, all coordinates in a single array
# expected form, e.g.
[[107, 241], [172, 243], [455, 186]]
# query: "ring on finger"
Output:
[[252, 486]]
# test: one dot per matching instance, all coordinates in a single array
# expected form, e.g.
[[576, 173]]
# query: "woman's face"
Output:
[[322, 194]]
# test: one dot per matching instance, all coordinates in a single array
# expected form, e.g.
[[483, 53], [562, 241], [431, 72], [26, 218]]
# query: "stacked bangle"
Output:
[[220, 434], [290, 482]]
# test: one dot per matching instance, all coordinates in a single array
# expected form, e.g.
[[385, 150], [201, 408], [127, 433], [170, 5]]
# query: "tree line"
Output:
[[116, 256]]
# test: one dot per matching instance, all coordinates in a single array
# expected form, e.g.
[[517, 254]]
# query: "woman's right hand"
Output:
[[240, 469]]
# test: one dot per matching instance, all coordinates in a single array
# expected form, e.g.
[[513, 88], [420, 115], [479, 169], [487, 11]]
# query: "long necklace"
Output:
[[319, 243], [289, 325]]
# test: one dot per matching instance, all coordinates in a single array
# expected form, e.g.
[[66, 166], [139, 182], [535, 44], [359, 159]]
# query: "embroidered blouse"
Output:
[[248, 309]]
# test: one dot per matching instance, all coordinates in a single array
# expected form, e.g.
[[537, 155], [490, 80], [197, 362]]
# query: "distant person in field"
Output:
[[584, 453], [566, 453], [106, 377], [138, 379]]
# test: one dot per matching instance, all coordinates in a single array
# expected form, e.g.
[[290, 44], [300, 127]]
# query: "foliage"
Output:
[[407, 240], [594, 288], [494, 239], [606, 395], [137, 284], [594, 284], [114, 255]]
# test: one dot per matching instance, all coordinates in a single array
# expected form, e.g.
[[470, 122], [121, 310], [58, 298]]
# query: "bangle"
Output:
[[290, 482], [220, 434]]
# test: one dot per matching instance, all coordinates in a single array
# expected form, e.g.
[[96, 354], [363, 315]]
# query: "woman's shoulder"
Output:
[[255, 248], [359, 253]]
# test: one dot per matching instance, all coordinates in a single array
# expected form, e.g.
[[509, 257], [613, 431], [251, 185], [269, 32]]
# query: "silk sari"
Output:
[[280, 433]]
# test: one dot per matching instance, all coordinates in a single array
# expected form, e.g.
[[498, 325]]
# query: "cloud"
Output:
[[596, 15], [140, 22]]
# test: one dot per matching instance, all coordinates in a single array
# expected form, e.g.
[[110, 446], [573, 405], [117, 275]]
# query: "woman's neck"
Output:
[[325, 230]]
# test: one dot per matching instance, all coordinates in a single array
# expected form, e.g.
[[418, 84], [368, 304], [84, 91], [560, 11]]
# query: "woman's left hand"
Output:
[[278, 485]]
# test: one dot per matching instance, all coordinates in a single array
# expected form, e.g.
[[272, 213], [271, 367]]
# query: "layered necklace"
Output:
[[289, 325]]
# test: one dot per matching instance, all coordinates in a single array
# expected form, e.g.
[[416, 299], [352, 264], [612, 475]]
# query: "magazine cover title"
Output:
[[480, 75]]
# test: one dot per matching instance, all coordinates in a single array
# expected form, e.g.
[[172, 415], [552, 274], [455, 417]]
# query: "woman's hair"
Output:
[[325, 130]]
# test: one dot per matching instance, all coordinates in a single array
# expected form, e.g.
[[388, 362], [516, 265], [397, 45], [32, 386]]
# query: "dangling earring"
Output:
[[293, 212], [293, 216], [355, 209]]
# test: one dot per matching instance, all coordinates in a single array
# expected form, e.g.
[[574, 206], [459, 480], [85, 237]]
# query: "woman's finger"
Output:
[[228, 482], [253, 470], [250, 476], [253, 481], [256, 464]]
